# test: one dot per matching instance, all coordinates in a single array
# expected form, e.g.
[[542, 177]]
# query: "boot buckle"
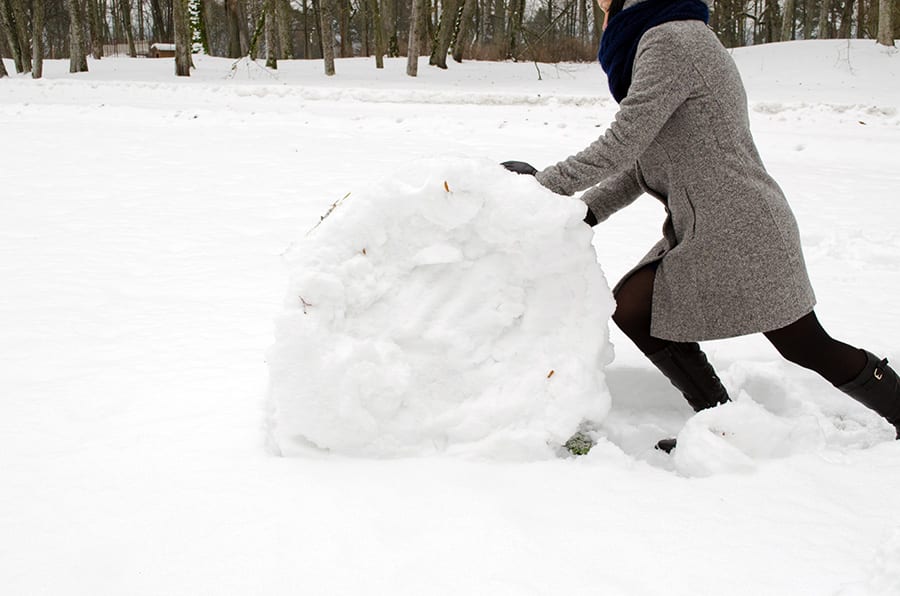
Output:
[[879, 374]]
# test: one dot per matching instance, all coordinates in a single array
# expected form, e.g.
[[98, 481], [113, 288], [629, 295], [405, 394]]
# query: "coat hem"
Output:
[[737, 331]]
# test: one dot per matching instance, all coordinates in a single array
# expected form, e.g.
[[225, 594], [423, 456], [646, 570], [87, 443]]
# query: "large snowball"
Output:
[[452, 307]]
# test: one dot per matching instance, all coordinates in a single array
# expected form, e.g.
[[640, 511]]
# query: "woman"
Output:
[[730, 261]]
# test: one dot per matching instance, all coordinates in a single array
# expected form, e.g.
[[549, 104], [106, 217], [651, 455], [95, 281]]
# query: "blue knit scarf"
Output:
[[618, 46]]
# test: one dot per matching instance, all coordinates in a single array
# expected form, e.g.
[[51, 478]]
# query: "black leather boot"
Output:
[[686, 366], [878, 388]]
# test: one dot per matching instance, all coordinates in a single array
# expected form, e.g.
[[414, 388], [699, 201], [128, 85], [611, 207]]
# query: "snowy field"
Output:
[[143, 223]]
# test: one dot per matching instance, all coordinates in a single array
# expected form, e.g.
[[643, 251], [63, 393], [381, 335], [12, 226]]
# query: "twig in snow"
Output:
[[327, 213]]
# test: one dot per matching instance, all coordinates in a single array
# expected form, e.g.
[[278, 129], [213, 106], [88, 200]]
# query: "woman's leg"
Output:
[[806, 343], [858, 373], [684, 364], [634, 303]]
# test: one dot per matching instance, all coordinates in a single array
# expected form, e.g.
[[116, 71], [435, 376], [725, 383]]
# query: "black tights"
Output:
[[803, 342]]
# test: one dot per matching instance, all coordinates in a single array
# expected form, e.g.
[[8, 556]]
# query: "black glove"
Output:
[[590, 219], [519, 167]]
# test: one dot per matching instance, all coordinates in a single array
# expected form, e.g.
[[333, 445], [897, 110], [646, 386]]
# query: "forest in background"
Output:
[[537, 30]]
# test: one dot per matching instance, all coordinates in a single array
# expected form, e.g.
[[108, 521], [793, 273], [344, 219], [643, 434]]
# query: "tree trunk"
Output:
[[787, 23], [285, 39], [327, 33], [886, 23], [140, 7], [8, 21], [182, 26], [598, 24], [238, 30], [808, 18], [13, 19], [846, 20], [77, 57], [377, 32], [37, 39], [462, 36], [22, 29], [389, 10], [582, 20], [516, 21], [343, 17], [271, 59], [824, 12], [366, 25], [243, 27], [860, 19], [234, 36], [3, 71], [500, 19], [128, 26], [306, 29], [773, 26], [449, 11], [412, 52], [160, 25], [95, 28]]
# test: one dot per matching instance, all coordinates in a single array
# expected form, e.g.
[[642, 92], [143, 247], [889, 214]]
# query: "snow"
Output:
[[143, 221], [463, 311]]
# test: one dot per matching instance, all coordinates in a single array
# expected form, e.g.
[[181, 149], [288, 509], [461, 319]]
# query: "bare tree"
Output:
[[95, 27], [377, 32], [128, 26], [885, 23], [449, 12], [238, 30], [37, 39], [412, 53], [77, 57], [462, 34], [271, 58], [12, 18], [182, 28], [161, 23], [21, 18], [824, 12], [285, 38], [860, 19], [808, 9], [3, 72], [787, 23], [8, 24], [327, 29]]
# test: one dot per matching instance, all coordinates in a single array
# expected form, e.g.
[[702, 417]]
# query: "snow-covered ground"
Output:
[[142, 225]]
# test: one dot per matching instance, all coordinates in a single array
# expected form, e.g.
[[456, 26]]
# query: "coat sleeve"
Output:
[[661, 82], [613, 193]]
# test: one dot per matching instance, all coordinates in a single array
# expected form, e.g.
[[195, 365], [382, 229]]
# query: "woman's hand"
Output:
[[519, 167]]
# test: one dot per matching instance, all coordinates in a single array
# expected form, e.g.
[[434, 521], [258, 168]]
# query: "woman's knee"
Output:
[[634, 302]]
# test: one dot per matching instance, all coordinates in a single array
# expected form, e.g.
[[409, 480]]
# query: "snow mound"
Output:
[[452, 307], [735, 436], [762, 424]]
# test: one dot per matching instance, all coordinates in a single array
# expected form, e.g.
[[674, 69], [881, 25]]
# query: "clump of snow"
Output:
[[734, 436], [451, 307], [762, 424]]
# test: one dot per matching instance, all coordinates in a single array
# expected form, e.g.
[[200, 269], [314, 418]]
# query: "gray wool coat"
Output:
[[730, 261]]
